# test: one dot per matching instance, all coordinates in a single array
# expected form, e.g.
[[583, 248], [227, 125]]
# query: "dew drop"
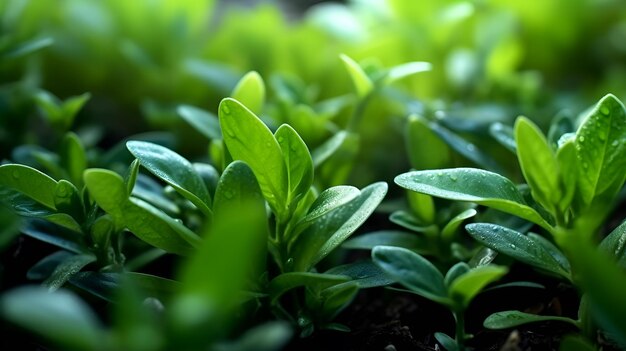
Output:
[[280, 139], [470, 147], [512, 246], [453, 178], [615, 143], [228, 194], [226, 109], [581, 138], [16, 174], [230, 133]]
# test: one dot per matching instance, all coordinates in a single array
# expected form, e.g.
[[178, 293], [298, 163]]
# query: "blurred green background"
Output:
[[492, 60]]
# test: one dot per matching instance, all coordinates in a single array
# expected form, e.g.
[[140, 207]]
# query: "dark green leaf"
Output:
[[517, 245], [65, 239], [413, 271], [66, 269], [174, 169], [447, 342], [271, 336], [366, 274], [330, 230], [576, 342], [287, 281], [44, 268], [368, 241], [28, 47], [615, 244], [455, 272], [510, 319], [473, 185]]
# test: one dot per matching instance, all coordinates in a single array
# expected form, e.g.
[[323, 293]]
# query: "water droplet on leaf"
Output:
[[605, 110]]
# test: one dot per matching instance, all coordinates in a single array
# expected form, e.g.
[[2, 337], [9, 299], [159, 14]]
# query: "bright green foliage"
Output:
[[250, 91], [362, 83]]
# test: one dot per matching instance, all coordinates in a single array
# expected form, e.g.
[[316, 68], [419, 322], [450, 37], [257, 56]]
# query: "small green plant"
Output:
[[572, 186]]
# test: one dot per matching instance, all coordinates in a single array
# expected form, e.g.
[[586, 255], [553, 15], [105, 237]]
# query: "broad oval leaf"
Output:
[[463, 289], [517, 245], [107, 188], [538, 163], [330, 230], [601, 149], [237, 186], [473, 185], [173, 169], [362, 83], [203, 121], [297, 159], [510, 319], [456, 271], [59, 316], [250, 140], [413, 271], [30, 182], [250, 91]]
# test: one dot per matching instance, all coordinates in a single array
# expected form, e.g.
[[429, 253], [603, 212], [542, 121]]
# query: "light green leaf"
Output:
[[331, 199], [330, 230], [287, 281], [362, 83], [237, 185], [455, 272], [107, 188], [568, 173], [467, 286], [30, 182], [473, 185], [66, 269], [413, 271], [203, 121], [60, 316], [297, 159], [73, 158], [538, 163], [406, 69], [517, 245], [601, 150], [250, 91], [448, 232], [510, 319], [248, 139], [173, 169]]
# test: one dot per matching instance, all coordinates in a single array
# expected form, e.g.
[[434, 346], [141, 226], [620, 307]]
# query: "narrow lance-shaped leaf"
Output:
[[362, 83], [538, 163], [203, 121], [510, 319], [287, 281], [174, 169], [413, 271], [66, 269], [74, 158], [518, 246], [473, 185], [248, 139], [601, 150], [467, 286], [329, 231], [297, 159]]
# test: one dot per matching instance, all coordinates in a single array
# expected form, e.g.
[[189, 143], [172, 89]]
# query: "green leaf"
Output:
[[288, 281], [237, 186], [368, 241], [333, 299], [455, 272], [73, 158], [447, 342], [365, 274], [406, 69], [425, 148], [448, 232], [331, 199], [30, 182], [330, 230], [523, 248], [67, 200], [71, 106], [108, 190], [297, 159], [250, 91], [538, 163], [209, 175], [362, 83], [66, 269], [568, 174], [270, 336], [504, 135], [467, 286], [44, 268], [473, 185], [65, 239], [173, 169], [27, 207], [328, 148], [601, 150], [510, 319], [614, 244], [552, 250], [248, 139], [205, 122], [60, 316], [27, 47], [408, 221], [413, 271]]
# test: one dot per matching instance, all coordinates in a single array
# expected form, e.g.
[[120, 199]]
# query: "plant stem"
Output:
[[460, 330]]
